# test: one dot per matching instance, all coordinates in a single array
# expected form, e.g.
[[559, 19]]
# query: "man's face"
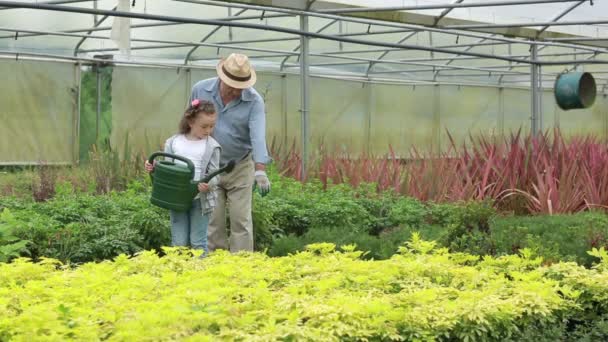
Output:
[[228, 92]]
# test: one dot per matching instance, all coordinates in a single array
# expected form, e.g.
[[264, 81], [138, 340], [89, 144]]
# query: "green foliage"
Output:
[[265, 230], [325, 293], [91, 132], [407, 211], [295, 207], [77, 226], [601, 254], [378, 247], [557, 237], [468, 229], [10, 245], [337, 207], [80, 228], [16, 181]]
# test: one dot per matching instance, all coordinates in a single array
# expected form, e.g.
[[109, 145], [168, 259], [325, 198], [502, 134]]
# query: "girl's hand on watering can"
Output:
[[149, 167], [203, 187]]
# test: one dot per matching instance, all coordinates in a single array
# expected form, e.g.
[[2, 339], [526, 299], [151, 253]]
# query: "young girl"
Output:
[[194, 142]]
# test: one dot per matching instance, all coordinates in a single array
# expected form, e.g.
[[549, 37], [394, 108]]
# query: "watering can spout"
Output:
[[226, 168]]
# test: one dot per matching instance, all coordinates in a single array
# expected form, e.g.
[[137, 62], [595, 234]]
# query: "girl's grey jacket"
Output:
[[210, 163]]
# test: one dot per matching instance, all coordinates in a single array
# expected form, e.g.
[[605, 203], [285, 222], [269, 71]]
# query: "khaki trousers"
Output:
[[235, 191]]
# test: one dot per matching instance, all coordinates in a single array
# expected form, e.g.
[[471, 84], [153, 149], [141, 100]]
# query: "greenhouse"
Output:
[[364, 75], [436, 170]]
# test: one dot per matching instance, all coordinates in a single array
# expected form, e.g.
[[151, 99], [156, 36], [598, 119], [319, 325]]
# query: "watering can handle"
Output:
[[172, 156]]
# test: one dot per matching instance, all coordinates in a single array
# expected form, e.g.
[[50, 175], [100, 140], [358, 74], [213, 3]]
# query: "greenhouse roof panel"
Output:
[[406, 39]]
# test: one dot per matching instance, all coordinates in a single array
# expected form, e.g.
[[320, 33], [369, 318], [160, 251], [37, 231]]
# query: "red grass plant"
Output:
[[546, 173]]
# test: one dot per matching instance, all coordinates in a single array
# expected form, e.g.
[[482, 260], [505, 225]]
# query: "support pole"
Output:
[[536, 92], [304, 85], [98, 106]]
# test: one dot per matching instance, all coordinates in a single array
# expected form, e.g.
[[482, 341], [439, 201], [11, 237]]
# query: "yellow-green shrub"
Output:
[[423, 293]]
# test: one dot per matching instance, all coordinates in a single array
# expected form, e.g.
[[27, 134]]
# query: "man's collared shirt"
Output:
[[241, 124]]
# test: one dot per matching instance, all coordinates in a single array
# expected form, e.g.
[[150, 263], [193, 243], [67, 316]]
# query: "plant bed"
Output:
[[423, 293]]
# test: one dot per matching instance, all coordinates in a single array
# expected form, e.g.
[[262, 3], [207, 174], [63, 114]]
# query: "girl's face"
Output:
[[202, 126]]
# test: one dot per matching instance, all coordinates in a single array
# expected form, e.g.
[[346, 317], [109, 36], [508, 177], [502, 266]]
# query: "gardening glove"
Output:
[[262, 182]]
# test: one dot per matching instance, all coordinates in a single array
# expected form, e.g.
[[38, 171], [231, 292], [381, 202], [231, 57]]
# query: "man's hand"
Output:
[[203, 187], [262, 182]]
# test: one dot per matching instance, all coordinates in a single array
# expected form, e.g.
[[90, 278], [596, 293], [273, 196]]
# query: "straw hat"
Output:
[[236, 71]]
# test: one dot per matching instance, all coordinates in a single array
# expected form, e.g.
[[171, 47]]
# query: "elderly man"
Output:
[[241, 132]]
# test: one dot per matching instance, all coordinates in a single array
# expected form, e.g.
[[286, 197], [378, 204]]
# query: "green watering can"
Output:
[[173, 186]]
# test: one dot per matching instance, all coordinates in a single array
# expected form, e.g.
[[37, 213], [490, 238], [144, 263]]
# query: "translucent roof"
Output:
[[405, 41]]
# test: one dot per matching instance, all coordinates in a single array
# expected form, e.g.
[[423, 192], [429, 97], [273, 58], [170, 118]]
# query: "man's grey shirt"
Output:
[[241, 125]]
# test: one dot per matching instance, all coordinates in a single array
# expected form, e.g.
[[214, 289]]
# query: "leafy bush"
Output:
[[407, 211], [423, 293], [79, 227], [10, 245], [468, 229], [303, 206], [377, 247], [558, 237]]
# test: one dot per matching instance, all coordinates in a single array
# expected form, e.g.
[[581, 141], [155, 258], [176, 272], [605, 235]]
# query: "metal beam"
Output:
[[298, 47], [488, 72], [244, 25], [576, 65], [179, 45], [53, 2], [393, 19], [544, 42], [477, 43], [98, 29], [367, 60], [554, 19], [526, 24], [581, 39], [97, 23], [354, 78], [462, 58], [283, 39], [445, 12], [469, 48], [173, 44], [561, 15], [363, 60], [379, 58], [143, 47], [167, 43], [209, 35], [441, 6], [108, 28], [459, 52]]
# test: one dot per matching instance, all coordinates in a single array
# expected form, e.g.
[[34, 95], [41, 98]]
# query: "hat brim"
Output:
[[233, 83]]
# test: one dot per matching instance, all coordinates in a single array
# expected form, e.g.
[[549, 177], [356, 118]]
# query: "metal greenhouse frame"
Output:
[[527, 61]]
